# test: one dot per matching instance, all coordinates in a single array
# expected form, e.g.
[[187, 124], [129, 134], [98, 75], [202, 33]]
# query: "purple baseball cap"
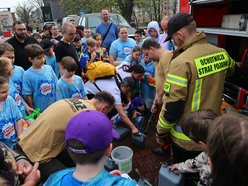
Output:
[[93, 129]]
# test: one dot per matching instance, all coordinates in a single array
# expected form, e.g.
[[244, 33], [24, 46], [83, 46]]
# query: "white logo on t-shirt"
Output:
[[18, 87], [76, 95], [127, 50], [45, 88], [18, 99], [8, 130]]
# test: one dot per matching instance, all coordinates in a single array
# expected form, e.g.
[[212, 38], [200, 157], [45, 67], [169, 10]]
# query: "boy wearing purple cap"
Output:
[[87, 152]]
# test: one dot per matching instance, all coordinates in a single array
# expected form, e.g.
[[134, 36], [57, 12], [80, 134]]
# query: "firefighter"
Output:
[[162, 58], [195, 80]]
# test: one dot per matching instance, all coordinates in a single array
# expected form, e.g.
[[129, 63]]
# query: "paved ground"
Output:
[[145, 163]]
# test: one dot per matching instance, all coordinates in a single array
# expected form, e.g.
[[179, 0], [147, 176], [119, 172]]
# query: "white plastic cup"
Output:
[[123, 156]]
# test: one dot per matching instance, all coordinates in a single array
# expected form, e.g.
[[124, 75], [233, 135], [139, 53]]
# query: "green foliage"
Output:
[[23, 12], [74, 6], [126, 8], [151, 8]]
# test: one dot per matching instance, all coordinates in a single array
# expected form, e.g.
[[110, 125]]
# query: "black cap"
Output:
[[177, 22], [46, 44]]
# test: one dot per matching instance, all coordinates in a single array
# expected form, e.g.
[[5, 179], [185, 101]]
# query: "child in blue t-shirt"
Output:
[[7, 50], [135, 57], [91, 45], [147, 90], [87, 34], [88, 153], [47, 47], [70, 85], [39, 81], [14, 77], [14, 93], [11, 122]]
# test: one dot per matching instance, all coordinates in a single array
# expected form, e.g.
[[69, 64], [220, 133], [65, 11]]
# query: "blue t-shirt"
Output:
[[147, 91], [83, 40], [16, 78], [41, 84], [76, 89], [9, 115], [70, 180], [89, 56], [84, 48], [14, 93], [65, 178], [121, 49], [132, 61], [111, 36], [51, 60]]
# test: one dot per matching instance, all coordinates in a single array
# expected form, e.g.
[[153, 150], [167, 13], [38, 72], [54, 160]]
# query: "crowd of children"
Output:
[[44, 83], [11, 117]]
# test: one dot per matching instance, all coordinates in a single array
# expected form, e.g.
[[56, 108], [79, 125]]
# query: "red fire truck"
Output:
[[225, 23]]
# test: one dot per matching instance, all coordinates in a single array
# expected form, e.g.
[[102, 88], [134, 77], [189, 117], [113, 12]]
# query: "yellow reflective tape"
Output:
[[167, 87], [196, 100], [211, 64], [163, 124], [179, 135], [177, 80], [183, 80], [232, 63]]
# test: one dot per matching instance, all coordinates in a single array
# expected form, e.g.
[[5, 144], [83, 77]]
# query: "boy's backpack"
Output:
[[100, 69]]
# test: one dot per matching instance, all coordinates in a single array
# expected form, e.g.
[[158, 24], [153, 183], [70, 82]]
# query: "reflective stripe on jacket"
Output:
[[195, 80]]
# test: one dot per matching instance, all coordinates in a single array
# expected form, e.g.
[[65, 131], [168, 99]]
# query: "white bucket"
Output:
[[122, 156]]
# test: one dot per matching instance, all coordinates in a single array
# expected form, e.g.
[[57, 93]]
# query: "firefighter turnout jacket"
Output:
[[195, 80], [161, 69]]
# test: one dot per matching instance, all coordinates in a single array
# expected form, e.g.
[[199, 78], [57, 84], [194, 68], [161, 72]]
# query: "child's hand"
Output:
[[93, 55], [151, 84], [154, 108], [29, 110], [135, 114], [115, 172], [23, 167], [174, 168], [34, 176], [151, 80]]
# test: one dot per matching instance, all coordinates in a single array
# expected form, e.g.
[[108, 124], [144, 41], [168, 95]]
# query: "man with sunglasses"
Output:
[[19, 41], [65, 46]]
